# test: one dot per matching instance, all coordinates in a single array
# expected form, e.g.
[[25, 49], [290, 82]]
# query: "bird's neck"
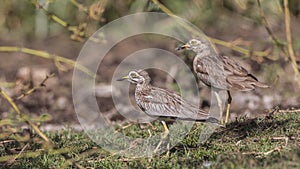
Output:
[[142, 86], [205, 52], [141, 90]]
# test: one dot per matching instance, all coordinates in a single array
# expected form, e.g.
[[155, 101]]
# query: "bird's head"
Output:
[[195, 45], [136, 77]]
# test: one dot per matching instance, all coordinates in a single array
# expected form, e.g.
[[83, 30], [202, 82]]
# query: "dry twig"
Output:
[[33, 126], [30, 91], [278, 148], [261, 154], [36, 153], [281, 138], [18, 155]]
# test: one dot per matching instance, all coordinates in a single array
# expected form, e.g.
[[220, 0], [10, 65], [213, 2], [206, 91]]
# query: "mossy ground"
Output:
[[266, 142]]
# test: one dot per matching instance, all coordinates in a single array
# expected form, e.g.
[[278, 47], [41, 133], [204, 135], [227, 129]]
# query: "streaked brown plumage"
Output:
[[162, 103], [157, 102], [220, 72]]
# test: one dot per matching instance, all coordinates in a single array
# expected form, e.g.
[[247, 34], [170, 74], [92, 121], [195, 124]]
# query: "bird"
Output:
[[219, 72], [162, 103]]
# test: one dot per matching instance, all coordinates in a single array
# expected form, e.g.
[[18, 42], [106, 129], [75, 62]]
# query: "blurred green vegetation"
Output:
[[230, 20], [23, 20]]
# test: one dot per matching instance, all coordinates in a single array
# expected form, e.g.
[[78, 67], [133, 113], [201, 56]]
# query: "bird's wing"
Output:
[[211, 71], [238, 77], [233, 67], [163, 103]]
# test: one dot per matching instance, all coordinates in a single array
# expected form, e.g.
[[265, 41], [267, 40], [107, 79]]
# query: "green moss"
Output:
[[241, 144]]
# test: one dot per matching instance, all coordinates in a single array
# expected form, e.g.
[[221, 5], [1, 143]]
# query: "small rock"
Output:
[[62, 102]]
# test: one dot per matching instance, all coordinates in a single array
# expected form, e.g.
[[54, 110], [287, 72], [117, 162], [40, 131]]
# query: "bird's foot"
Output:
[[164, 136], [215, 121]]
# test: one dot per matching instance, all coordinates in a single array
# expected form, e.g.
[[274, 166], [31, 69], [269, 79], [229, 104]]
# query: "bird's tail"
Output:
[[258, 83], [261, 84]]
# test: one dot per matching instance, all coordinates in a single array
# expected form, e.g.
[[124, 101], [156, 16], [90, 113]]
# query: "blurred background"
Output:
[[60, 27]]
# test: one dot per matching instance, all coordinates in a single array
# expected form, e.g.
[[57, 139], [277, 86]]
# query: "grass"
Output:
[[266, 142]]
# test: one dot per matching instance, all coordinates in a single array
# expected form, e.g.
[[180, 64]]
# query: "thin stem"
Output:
[[267, 27], [78, 32], [15, 107], [37, 153], [51, 16], [32, 90], [47, 56], [80, 6], [289, 40]]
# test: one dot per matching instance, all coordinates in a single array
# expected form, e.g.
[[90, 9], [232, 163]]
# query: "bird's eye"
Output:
[[193, 42], [133, 75]]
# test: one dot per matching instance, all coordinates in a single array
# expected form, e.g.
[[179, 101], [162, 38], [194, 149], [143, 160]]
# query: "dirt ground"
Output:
[[56, 98]]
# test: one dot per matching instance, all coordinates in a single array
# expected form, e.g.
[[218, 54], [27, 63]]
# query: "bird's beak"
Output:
[[123, 78], [186, 46]]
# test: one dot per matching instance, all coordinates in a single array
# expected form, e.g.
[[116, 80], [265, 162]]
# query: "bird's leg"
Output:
[[228, 106], [166, 133], [165, 127], [219, 101]]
